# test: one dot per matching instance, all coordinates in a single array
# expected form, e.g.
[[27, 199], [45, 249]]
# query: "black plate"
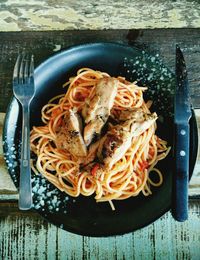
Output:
[[83, 215]]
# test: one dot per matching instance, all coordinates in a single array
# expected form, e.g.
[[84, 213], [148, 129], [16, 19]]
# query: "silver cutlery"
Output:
[[182, 140], [24, 90]]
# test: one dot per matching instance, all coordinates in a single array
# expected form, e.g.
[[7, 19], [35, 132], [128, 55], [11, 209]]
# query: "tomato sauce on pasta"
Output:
[[129, 176]]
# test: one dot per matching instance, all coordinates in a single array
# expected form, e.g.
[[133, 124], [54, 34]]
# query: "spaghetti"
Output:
[[128, 177]]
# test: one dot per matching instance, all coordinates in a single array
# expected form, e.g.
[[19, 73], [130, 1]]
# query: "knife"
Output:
[[182, 138]]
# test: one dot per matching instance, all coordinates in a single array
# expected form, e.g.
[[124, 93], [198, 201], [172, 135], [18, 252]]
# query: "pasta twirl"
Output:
[[128, 177]]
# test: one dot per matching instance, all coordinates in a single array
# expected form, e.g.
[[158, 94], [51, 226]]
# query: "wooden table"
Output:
[[25, 235]]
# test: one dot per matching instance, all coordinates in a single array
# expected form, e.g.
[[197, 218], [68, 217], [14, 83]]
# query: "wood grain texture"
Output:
[[7, 187], [44, 44], [20, 15], [28, 236]]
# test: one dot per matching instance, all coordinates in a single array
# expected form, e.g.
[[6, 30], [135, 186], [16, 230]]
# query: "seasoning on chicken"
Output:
[[97, 109], [91, 153], [69, 136], [131, 113], [118, 139]]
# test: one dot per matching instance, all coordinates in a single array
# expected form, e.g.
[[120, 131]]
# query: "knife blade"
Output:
[[182, 135]]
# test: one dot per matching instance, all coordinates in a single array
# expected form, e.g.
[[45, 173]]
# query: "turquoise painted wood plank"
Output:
[[27, 236], [69, 246], [125, 242], [163, 231], [144, 243], [108, 247], [51, 234]]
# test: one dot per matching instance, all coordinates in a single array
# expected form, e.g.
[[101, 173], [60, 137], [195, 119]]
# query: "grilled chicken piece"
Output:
[[91, 153], [131, 113], [118, 140], [113, 146], [139, 125], [69, 136], [97, 109]]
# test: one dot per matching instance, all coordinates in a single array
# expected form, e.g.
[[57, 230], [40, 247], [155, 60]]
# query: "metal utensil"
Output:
[[24, 90], [182, 136]]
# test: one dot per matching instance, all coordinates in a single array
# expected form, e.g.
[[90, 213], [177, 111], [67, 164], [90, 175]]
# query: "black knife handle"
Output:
[[180, 194]]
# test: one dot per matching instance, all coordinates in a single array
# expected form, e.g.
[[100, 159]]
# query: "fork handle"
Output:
[[25, 191]]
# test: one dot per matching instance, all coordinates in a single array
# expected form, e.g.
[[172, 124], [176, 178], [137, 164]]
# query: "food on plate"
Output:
[[69, 136], [119, 138], [99, 138], [96, 109]]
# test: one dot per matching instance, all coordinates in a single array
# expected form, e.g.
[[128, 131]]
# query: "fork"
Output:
[[24, 90]]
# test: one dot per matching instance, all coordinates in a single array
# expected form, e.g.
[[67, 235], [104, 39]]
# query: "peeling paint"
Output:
[[63, 15], [8, 20], [28, 236], [57, 47]]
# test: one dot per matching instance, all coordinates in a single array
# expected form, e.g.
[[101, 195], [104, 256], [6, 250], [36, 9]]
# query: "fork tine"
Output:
[[21, 70], [26, 60], [31, 68], [16, 68]]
